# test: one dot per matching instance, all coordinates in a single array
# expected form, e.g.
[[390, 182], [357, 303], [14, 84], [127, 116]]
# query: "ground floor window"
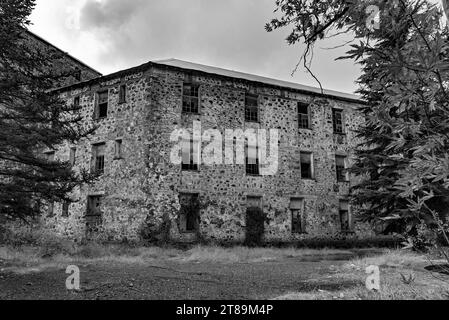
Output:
[[345, 219], [93, 214], [297, 213], [189, 216]]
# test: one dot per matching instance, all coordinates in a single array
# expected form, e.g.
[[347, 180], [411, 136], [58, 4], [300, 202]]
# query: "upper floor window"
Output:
[[303, 116], [306, 165], [77, 75], [338, 121], [251, 108], [72, 157], [122, 94], [190, 98], [102, 105], [98, 157], [190, 155], [340, 164], [118, 149], [49, 156], [76, 101]]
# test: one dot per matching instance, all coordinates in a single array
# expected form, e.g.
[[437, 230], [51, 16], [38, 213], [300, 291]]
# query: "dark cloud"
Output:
[[228, 34]]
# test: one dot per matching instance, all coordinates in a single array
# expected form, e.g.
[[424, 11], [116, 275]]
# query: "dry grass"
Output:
[[402, 277]]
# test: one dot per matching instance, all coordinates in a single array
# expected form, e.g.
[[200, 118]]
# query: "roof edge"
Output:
[[160, 63], [64, 52]]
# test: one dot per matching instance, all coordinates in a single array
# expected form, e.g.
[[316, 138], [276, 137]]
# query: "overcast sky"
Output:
[[110, 35]]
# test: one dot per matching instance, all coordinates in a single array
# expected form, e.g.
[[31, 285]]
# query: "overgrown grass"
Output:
[[402, 277]]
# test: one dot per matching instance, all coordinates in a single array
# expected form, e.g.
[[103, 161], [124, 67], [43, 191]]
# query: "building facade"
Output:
[[144, 192]]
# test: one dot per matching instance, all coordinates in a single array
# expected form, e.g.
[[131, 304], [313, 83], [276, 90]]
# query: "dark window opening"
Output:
[[297, 209], [190, 98], [51, 209], [65, 208], [341, 168], [98, 153], [102, 107], [190, 155], [189, 213], [77, 75], [122, 93], [76, 102], [303, 116], [306, 165], [337, 118], [251, 108], [344, 216], [94, 214]]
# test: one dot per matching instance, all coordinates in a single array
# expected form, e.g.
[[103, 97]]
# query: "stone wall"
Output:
[[140, 191]]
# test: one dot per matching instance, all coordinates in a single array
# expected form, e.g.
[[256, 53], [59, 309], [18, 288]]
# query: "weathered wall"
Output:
[[142, 188]]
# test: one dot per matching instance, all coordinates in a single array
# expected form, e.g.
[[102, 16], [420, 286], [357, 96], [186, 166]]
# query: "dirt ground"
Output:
[[172, 280], [312, 276]]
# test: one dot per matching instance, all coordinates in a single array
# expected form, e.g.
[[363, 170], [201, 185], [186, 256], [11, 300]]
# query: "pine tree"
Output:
[[404, 157], [33, 119]]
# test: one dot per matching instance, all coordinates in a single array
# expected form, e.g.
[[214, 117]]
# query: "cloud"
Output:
[[118, 34]]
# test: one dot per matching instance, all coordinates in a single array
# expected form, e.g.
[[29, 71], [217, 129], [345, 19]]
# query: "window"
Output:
[[189, 213], [251, 108], [122, 94], [340, 164], [51, 209], [306, 165], [77, 75], [76, 101], [94, 214], [65, 208], [49, 156], [303, 116], [252, 158], [190, 98], [190, 155], [344, 216], [98, 153], [337, 118], [102, 105], [118, 149], [297, 212], [72, 156]]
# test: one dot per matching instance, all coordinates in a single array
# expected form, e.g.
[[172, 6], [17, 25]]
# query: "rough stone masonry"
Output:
[[141, 193]]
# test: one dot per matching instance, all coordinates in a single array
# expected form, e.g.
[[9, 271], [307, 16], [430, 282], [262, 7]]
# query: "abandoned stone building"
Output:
[[140, 192]]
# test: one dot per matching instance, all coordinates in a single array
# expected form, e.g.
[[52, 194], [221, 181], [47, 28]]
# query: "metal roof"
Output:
[[251, 77]]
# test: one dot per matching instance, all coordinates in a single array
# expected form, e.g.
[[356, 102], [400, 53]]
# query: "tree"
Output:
[[32, 119], [403, 52]]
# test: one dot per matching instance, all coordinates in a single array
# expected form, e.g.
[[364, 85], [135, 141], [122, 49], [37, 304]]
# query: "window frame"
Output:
[[183, 218], [95, 158], [336, 126], [346, 212], [192, 98], [122, 94], [307, 115], [298, 211], [191, 166], [249, 109], [98, 105], [312, 169], [118, 151], [252, 169], [344, 176]]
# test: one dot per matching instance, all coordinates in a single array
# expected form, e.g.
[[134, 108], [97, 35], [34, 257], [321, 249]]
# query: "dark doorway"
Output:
[[255, 226], [93, 215]]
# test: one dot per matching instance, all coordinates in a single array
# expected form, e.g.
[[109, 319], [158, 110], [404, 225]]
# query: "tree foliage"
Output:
[[404, 157], [32, 119]]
